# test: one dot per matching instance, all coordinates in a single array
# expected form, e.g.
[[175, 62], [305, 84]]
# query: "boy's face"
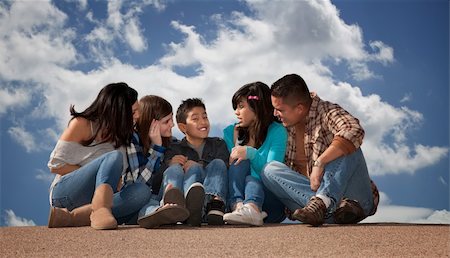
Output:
[[197, 124]]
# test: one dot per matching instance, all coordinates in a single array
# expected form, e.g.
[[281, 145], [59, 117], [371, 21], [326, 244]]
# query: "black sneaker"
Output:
[[194, 203], [214, 212]]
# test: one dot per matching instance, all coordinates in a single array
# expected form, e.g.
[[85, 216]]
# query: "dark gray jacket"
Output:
[[215, 148]]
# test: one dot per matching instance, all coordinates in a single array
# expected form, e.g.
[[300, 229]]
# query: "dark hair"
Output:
[[186, 106], [151, 107], [292, 89], [257, 95], [112, 110]]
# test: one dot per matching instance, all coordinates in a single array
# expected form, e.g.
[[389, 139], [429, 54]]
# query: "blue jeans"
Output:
[[77, 188], [346, 176], [153, 204], [213, 177], [243, 187]]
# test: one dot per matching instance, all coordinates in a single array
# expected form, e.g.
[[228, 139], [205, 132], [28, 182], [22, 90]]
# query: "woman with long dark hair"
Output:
[[253, 141], [89, 159]]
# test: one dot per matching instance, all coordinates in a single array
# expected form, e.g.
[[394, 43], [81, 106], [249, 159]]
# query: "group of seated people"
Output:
[[289, 155]]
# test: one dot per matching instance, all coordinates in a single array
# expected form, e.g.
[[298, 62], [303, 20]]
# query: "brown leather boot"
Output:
[[101, 216], [61, 217], [348, 212], [313, 213]]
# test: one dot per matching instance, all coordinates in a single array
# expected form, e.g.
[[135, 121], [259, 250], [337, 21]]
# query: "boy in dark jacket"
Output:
[[198, 165]]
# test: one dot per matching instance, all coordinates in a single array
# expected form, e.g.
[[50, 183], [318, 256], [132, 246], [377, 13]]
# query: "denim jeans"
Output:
[[77, 188], [153, 203], [346, 176], [242, 187], [213, 177]]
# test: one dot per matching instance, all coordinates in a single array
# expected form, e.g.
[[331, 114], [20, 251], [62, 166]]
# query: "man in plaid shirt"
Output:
[[324, 177]]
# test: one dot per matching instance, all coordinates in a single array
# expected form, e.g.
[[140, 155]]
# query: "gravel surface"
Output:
[[271, 240]]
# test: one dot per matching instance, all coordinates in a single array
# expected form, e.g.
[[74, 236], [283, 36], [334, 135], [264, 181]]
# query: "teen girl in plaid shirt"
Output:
[[145, 155], [324, 177]]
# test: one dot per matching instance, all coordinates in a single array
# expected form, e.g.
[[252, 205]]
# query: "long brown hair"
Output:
[[151, 107]]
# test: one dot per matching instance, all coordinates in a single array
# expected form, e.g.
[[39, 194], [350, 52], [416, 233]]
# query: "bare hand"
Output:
[[316, 177], [154, 132], [238, 154], [178, 159]]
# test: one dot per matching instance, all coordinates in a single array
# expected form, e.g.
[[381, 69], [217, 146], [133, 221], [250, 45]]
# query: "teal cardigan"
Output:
[[273, 147]]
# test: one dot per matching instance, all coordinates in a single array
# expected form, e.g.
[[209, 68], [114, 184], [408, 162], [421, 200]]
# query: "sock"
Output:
[[325, 199]]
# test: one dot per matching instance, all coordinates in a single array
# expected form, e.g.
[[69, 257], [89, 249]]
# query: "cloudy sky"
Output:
[[384, 61]]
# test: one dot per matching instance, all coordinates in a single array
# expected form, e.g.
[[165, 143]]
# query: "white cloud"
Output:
[[11, 220], [33, 41], [10, 99], [134, 36], [406, 98], [122, 24], [385, 53], [406, 214], [273, 41], [24, 138], [45, 176]]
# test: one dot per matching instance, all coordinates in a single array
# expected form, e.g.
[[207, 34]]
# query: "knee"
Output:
[[270, 169], [219, 164], [175, 169]]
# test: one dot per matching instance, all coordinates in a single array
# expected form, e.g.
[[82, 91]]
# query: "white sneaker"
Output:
[[245, 215]]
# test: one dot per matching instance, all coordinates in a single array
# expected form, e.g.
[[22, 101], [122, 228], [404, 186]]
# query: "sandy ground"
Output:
[[277, 240]]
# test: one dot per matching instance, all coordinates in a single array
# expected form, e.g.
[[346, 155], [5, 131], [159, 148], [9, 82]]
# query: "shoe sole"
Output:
[[174, 196], [238, 222], [304, 219], [194, 203], [164, 216], [232, 221], [215, 218]]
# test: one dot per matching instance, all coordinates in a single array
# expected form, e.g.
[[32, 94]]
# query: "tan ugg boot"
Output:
[[101, 216], [61, 217]]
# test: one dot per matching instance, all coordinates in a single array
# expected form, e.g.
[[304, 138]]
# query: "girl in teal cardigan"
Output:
[[254, 141]]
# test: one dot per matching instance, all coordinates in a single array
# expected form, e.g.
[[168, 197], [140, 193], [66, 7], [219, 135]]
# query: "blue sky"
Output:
[[387, 62]]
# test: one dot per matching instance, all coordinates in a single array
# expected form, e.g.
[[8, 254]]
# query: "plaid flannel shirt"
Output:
[[326, 120], [141, 166]]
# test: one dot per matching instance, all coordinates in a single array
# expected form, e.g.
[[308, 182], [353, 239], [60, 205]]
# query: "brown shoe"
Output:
[[348, 212], [101, 216], [61, 217], [313, 213]]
